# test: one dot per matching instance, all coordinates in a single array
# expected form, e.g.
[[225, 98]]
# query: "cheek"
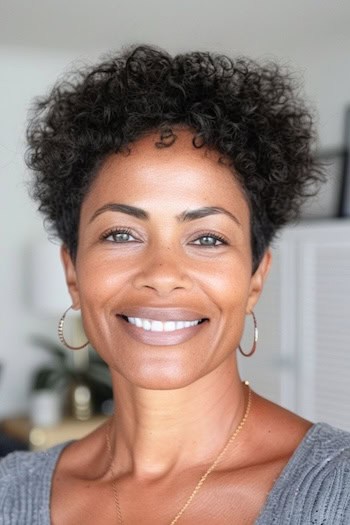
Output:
[[229, 288], [99, 277], [230, 291], [229, 282], [99, 285]]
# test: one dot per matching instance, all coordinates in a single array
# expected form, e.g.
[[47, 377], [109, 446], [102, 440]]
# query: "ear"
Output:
[[258, 280], [71, 277]]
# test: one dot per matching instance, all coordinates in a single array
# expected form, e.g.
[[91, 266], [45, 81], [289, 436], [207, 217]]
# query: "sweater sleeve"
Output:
[[25, 484], [322, 496], [314, 488]]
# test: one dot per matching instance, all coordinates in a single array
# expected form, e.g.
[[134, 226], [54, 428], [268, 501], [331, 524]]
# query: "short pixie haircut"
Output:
[[250, 113]]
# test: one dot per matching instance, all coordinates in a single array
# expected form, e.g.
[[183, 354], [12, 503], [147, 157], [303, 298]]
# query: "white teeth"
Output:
[[159, 326], [138, 321], [156, 326], [146, 324], [169, 326]]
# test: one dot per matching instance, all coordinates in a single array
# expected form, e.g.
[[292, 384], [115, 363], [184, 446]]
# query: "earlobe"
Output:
[[71, 277], [258, 280]]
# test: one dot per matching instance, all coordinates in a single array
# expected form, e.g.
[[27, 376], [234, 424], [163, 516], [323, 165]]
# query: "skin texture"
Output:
[[176, 405]]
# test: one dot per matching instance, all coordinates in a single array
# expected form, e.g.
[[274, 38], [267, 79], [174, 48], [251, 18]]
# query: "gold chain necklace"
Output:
[[203, 478]]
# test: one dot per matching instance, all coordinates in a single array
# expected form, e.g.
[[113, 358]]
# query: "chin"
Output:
[[160, 379]]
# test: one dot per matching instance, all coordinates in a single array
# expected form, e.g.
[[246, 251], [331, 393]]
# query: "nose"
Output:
[[163, 270]]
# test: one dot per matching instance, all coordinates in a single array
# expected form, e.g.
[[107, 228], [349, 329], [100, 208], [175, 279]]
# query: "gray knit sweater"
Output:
[[313, 488]]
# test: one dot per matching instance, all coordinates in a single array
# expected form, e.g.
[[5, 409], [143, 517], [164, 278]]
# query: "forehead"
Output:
[[174, 175]]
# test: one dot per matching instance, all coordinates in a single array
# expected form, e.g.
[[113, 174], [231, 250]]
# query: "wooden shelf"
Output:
[[40, 438]]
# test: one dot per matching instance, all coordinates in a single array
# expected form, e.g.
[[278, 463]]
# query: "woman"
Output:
[[166, 179]]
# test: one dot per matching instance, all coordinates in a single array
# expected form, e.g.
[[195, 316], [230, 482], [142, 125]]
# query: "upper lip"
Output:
[[162, 314]]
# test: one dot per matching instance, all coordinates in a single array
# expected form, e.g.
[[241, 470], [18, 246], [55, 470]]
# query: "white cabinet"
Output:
[[303, 355]]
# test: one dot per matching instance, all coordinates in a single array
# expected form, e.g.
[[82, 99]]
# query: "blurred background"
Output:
[[303, 357]]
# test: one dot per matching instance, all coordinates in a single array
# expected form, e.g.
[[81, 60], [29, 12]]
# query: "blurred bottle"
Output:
[[80, 400]]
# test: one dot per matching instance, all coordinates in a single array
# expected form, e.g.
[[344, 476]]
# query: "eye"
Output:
[[207, 240], [118, 235]]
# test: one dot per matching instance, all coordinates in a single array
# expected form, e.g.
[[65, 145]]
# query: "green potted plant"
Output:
[[81, 381]]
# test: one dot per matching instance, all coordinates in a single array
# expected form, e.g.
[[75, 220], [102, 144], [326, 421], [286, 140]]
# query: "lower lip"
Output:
[[161, 338]]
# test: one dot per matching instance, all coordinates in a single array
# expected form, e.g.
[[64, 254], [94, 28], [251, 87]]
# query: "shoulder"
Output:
[[325, 456], [326, 451], [25, 480], [314, 485]]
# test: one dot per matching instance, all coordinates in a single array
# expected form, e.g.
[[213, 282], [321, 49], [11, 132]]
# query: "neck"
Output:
[[156, 432]]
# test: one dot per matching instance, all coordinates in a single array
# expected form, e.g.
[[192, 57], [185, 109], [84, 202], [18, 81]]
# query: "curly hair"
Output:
[[250, 113]]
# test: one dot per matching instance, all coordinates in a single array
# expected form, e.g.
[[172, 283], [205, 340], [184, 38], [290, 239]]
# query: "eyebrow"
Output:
[[185, 216]]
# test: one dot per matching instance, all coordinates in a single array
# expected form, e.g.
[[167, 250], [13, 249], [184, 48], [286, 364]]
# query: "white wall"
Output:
[[26, 73], [325, 66]]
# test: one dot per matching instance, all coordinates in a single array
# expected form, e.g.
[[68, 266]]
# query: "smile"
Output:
[[159, 333], [160, 326]]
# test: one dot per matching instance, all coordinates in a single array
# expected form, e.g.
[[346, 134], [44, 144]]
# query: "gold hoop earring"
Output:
[[256, 333], [61, 336]]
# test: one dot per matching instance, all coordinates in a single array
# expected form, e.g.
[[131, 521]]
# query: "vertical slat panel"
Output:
[[325, 332]]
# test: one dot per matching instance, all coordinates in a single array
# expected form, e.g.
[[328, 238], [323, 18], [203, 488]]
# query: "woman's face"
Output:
[[184, 267]]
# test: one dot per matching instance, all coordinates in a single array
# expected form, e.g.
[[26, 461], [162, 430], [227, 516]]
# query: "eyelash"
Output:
[[127, 231]]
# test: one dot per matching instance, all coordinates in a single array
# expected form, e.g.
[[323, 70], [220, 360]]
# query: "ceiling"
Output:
[[247, 26]]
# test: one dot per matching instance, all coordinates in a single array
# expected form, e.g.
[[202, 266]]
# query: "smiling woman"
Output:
[[166, 178], [127, 257]]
